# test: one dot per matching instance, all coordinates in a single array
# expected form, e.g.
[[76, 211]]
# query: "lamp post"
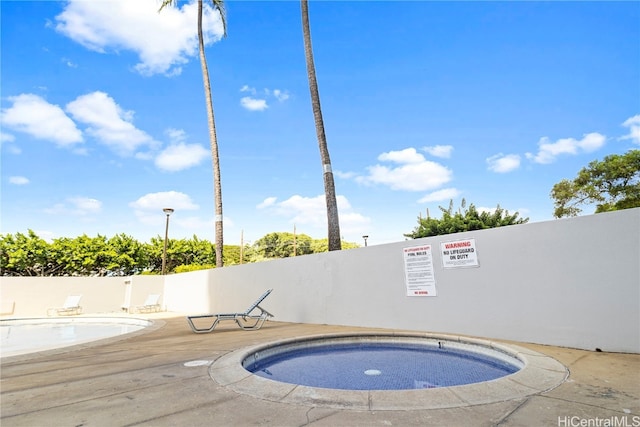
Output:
[[167, 211], [365, 237]]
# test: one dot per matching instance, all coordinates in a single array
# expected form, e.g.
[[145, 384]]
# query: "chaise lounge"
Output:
[[151, 305], [246, 320], [71, 306]]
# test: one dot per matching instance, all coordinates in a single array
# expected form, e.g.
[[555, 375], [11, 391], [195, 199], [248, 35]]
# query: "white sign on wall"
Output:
[[418, 271], [461, 253]]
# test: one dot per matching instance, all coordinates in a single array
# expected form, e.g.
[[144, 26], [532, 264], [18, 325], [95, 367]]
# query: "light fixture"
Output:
[[167, 211]]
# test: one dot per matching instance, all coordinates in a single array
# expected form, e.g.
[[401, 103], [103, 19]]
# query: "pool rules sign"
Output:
[[418, 271]]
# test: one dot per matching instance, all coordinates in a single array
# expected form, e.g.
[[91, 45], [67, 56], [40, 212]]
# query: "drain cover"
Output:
[[197, 363]]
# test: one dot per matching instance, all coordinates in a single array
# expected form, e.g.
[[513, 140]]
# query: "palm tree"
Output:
[[329, 187], [213, 140]]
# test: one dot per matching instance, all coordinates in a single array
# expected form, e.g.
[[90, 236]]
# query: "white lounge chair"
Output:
[[152, 304], [246, 320], [71, 306]]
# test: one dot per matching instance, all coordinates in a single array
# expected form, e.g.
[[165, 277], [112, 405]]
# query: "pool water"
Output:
[[32, 335], [379, 366]]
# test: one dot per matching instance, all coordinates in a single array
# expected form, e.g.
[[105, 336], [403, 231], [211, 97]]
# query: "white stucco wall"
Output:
[[32, 296], [572, 282]]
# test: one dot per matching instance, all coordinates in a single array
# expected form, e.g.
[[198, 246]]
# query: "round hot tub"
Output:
[[387, 371], [381, 363]]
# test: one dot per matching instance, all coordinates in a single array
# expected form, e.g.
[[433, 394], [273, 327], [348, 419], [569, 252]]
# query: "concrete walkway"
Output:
[[142, 380]]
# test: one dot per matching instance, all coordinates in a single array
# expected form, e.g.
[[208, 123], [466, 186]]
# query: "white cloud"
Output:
[[69, 63], [548, 151], [501, 163], [176, 135], [33, 115], [6, 137], [443, 151], [163, 41], [269, 201], [161, 200], [6, 142], [181, 156], [280, 95], [414, 172], [85, 205], [408, 155], [148, 208], [18, 180], [440, 195], [77, 206], [312, 212], [633, 123], [253, 104], [109, 123]]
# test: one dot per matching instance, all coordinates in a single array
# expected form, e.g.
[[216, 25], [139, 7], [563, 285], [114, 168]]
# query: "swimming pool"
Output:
[[24, 336]]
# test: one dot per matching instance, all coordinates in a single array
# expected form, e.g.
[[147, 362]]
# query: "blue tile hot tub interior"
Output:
[[379, 365]]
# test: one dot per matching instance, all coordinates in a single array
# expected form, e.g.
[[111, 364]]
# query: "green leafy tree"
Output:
[[611, 184], [25, 255], [84, 255], [329, 186], [463, 220], [213, 139], [320, 245], [187, 255], [154, 249], [232, 254], [122, 255], [64, 252], [129, 256], [193, 267], [197, 251], [349, 245], [283, 245], [180, 252]]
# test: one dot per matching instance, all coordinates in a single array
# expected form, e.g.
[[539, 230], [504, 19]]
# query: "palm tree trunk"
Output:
[[215, 160], [329, 187]]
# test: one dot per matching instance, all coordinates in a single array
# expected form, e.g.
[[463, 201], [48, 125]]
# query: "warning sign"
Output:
[[461, 253], [418, 271]]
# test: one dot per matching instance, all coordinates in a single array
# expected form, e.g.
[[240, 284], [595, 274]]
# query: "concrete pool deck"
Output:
[[142, 380]]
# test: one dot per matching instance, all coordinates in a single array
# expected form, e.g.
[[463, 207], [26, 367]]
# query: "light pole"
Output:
[[168, 211], [365, 237]]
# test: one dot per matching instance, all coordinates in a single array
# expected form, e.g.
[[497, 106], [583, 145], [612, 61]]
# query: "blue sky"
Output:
[[104, 122]]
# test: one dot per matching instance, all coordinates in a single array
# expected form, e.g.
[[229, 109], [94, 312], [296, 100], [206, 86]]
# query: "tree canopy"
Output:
[[611, 184], [122, 255], [464, 219]]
